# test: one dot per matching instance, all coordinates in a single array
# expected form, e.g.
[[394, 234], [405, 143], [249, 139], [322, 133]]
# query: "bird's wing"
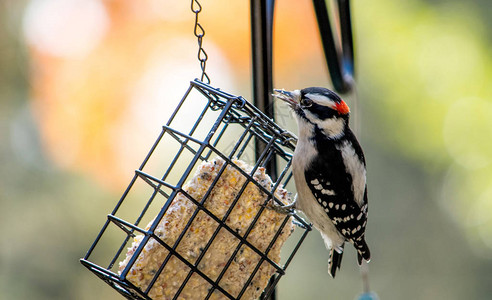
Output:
[[332, 188]]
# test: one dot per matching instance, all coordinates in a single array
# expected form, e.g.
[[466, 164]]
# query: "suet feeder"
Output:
[[213, 126]]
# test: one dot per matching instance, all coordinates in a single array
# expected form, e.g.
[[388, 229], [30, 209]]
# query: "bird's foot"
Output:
[[287, 209], [288, 137], [301, 225]]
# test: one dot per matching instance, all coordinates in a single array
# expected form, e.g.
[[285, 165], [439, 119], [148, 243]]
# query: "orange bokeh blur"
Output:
[[88, 100]]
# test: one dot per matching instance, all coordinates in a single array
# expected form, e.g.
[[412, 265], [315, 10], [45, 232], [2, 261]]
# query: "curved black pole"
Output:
[[340, 61]]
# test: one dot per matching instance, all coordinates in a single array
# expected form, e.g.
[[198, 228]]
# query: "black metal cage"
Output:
[[211, 124]]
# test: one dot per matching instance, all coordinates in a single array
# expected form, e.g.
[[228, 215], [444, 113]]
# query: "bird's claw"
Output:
[[288, 209], [288, 137]]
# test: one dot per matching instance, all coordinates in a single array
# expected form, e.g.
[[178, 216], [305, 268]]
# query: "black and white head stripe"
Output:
[[323, 110], [323, 104], [321, 95]]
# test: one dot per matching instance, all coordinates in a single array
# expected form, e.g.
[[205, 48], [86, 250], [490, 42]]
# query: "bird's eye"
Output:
[[305, 102]]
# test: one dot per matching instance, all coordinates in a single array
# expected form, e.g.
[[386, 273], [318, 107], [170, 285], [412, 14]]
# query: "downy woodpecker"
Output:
[[329, 171]]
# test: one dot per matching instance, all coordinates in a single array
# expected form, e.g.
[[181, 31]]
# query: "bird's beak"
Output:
[[285, 96]]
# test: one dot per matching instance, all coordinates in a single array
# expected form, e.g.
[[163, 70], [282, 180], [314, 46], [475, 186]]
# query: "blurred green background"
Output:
[[85, 86]]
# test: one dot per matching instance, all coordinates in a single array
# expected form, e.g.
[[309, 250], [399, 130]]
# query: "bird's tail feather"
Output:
[[363, 252], [334, 261]]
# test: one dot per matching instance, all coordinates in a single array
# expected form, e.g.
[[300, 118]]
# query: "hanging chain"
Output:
[[200, 33]]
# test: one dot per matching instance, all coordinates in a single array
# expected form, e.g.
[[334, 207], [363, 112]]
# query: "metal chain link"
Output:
[[199, 32]]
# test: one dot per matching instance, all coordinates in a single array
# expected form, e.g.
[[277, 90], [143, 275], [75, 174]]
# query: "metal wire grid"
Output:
[[233, 119]]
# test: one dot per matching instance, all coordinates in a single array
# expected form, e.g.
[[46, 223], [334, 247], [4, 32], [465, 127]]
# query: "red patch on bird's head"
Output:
[[342, 107]]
